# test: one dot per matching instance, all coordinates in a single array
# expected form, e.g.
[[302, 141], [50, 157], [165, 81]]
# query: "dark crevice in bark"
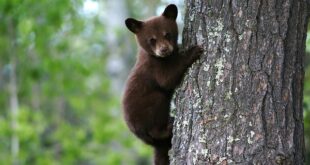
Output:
[[234, 70], [264, 122], [190, 132], [289, 60]]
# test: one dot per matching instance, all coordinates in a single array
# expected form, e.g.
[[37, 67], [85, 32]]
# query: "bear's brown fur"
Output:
[[150, 86]]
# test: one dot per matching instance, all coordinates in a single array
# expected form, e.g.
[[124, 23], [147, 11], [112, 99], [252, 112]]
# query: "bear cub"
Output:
[[159, 69]]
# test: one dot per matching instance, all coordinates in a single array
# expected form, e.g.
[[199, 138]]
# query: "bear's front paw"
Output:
[[195, 52]]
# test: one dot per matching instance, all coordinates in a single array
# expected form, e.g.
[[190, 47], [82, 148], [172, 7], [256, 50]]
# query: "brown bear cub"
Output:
[[159, 69]]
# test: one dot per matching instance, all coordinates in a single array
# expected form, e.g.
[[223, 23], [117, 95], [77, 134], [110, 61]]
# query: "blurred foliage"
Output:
[[68, 113]]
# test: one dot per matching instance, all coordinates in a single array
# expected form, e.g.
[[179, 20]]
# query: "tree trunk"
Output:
[[242, 102], [13, 92]]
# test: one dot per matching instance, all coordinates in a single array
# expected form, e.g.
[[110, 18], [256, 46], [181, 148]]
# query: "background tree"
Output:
[[242, 103]]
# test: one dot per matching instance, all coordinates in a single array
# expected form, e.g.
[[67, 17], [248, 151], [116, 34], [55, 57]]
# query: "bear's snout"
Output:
[[164, 49]]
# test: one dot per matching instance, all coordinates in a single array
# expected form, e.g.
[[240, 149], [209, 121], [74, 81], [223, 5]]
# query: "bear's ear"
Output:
[[171, 12], [133, 25]]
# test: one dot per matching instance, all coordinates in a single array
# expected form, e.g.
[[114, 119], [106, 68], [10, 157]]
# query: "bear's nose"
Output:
[[164, 49]]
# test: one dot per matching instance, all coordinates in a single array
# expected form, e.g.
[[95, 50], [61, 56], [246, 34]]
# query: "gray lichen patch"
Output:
[[199, 36], [220, 25], [204, 152], [231, 139], [214, 32], [208, 83], [219, 65], [228, 36], [205, 66], [240, 37], [228, 95], [202, 138], [197, 100], [197, 104], [250, 137]]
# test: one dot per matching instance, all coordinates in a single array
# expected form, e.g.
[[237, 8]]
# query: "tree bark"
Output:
[[242, 102]]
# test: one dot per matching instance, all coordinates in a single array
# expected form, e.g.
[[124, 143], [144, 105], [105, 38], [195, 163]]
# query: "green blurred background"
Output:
[[63, 64]]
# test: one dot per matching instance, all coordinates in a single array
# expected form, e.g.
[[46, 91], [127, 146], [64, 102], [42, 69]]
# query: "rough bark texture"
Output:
[[242, 103]]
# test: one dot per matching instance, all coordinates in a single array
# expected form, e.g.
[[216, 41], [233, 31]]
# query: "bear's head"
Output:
[[157, 35]]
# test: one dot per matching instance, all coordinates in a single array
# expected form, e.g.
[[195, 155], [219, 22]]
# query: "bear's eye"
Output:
[[152, 41], [168, 36]]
